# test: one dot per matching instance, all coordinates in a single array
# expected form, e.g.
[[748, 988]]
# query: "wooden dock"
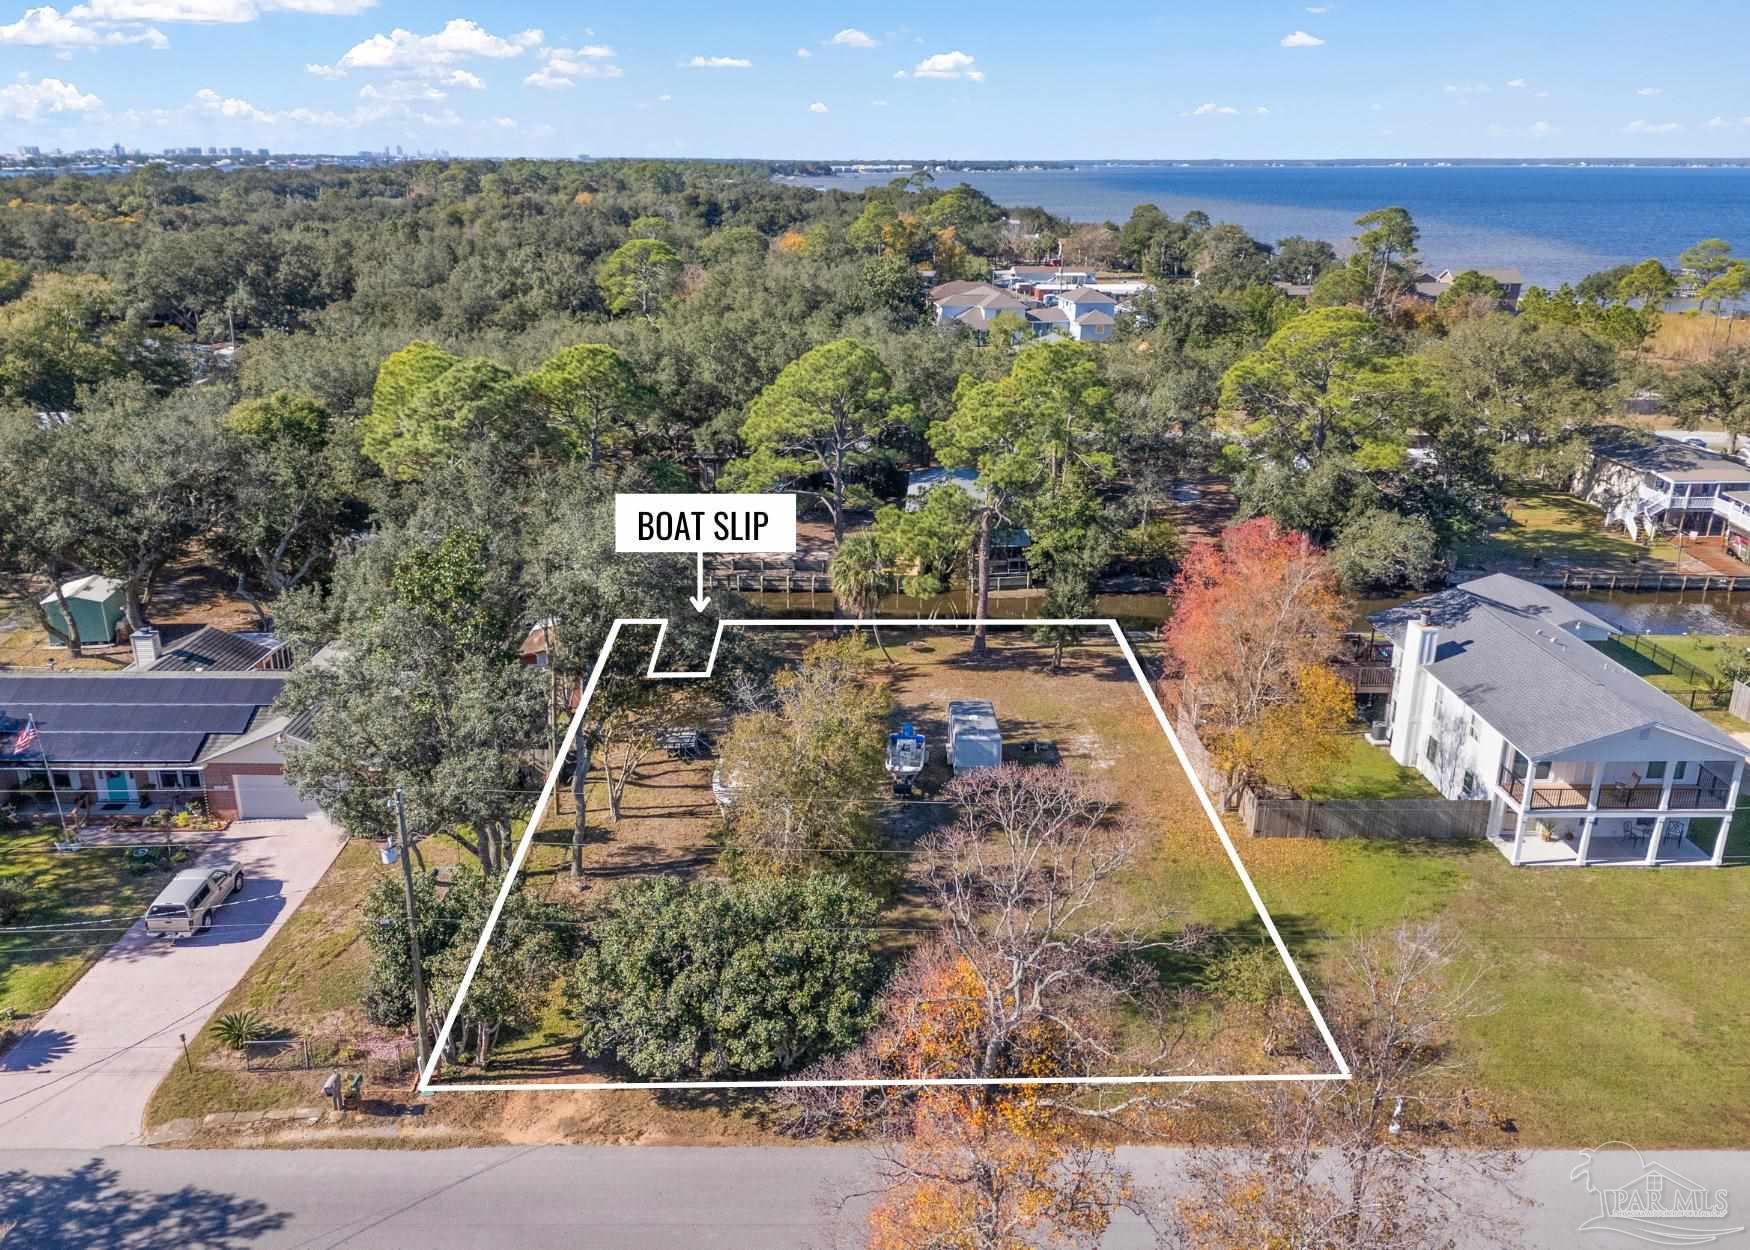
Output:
[[1641, 580]]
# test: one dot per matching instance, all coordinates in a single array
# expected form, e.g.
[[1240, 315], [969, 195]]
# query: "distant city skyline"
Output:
[[1342, 80]]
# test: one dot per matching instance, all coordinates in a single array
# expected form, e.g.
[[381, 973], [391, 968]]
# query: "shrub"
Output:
[[236, 1029], [14, 902], [727, 978], [1252, 975]]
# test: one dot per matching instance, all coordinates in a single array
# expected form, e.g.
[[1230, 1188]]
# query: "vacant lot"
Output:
[[309, 982]]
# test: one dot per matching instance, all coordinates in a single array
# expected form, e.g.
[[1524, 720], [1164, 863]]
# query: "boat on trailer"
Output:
[[907, 752]]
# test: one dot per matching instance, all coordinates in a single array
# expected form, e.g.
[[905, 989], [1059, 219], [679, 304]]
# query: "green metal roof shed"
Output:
[[97, 604]]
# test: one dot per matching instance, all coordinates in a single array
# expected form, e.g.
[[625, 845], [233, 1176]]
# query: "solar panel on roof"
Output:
[[138, 717], [123, 748]]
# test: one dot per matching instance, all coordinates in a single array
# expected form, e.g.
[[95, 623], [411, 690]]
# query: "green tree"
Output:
[[930, 546], [1714, 393], [589, 391], [802, 769], [1302, 261], [1026, 433], [1380, 551], [820, 420], [1385, 249], [897, 289], [65, 333], [1468, 287], [1328, 381], [721, 979], [859, 574], [289, 498], [426, 411], [638, 275], [1705, 261]]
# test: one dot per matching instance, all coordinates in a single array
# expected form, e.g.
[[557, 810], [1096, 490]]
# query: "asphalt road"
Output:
[[83, 1075], [621, 1198]]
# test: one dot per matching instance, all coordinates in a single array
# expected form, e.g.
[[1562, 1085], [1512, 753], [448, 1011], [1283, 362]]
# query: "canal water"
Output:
[[1632, 612]]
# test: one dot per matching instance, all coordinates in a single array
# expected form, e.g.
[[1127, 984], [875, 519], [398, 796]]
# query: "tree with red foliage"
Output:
[[1252, 610]]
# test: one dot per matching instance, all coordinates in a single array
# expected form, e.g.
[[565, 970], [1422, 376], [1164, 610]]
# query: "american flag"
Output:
[[26, 739]]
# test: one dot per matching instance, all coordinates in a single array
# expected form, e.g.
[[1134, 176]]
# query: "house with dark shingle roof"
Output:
[[123, 743], [1502, 691]]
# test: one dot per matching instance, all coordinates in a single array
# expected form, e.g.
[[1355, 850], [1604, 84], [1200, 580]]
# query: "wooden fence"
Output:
[[1441, 819]]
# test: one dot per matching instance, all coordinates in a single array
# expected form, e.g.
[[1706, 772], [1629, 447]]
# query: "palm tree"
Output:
[[858, 574]]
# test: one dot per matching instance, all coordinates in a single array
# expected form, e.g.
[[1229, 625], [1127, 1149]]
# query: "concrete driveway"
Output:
[[83, 1076]]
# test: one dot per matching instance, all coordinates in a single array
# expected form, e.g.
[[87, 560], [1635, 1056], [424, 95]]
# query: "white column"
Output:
[[1719, 856], [1524, 808], [1591, 811], [1659, 823], [1497, 803]]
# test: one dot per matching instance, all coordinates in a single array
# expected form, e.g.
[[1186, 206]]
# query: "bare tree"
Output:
[[1360, 1164]]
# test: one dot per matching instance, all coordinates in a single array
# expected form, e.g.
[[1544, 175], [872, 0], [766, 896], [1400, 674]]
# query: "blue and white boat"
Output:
[[907, 752]]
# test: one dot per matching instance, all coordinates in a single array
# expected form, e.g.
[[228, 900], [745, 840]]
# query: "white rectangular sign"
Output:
[[731, 524]]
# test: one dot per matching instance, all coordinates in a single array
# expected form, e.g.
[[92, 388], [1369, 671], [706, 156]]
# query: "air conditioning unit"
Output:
[[1379, 733]]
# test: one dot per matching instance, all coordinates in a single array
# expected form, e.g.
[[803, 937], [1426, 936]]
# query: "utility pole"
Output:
[[412, 928]]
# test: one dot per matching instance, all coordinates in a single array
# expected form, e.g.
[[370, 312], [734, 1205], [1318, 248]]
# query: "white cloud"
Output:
[[1515, 82], [1542, 130], [462, 78], [804, 53], [47, 27], [1649, 91], [1466, 88], [563, 67], [325, 71], [1300, 39], [1320, 9], [459, 40], [402, 89], [1261, 111], [504, 123], [851, 37], [947, 65], [210, 101], [1212, 109], [718, 62], [25, 101], [818, 107], [880, 104], [899, 73], [664, 98], [1640, 127]]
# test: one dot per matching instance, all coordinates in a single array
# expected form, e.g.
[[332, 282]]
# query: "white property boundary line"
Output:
[[426, 1085]]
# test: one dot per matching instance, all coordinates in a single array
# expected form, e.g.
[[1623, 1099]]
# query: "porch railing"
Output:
[[1708, 792]]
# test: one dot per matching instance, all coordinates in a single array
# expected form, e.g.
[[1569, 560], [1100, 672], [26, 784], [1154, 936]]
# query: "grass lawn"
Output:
[[1555, 530], [87, 888], [1621, 997], [1369, 772]]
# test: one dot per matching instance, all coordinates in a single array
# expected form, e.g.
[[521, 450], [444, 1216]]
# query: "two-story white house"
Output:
[[1645, 483], [1091, 314], [1499, 693]]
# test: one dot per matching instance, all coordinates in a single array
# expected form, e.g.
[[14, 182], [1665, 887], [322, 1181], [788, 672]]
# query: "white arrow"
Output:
[[701, 599]]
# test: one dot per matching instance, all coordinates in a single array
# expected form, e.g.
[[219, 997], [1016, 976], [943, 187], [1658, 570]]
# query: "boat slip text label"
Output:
[[728, 524]]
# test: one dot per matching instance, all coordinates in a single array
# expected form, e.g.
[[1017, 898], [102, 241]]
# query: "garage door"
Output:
[[268, 798]]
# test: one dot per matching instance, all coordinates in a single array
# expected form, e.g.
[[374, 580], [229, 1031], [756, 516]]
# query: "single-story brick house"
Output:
[[125, 743]]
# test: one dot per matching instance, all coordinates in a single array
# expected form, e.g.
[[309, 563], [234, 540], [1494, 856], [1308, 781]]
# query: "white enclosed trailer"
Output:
[[973, 738]]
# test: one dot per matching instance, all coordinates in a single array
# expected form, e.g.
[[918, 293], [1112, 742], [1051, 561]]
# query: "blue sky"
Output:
[[1345, 78]]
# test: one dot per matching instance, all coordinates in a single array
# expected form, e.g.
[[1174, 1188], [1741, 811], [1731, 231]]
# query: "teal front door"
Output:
[[118, 787]]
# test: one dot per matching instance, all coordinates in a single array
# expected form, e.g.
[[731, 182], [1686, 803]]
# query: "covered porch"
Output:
[[1637, 841]]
